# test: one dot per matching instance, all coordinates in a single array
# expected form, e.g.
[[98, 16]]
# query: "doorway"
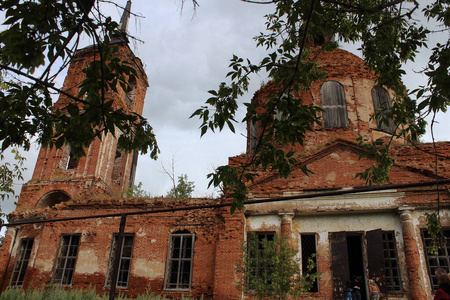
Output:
[[356, 266]]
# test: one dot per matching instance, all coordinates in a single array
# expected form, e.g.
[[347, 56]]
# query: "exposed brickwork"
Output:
[[331, 154]]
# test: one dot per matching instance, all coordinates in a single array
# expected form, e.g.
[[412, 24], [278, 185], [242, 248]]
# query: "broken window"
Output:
[[309, 256], [333, 105], [179, 261], [66, 259], [382, 106], [439, 260], [21, 265], [255, 246], [125, 254], [393, 279]]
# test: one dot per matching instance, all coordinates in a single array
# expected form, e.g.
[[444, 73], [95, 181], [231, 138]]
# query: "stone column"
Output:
[[412, 257], [286, 225]]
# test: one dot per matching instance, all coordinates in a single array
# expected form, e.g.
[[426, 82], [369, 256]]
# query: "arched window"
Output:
[[382, 106], [53, 198], [333, 105]]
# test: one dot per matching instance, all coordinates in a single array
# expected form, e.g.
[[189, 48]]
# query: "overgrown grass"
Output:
[[58, 293]]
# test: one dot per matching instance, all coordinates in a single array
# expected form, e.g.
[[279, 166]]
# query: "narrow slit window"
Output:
[[179, 261], [22, 259], [126, 254], [72, 161], [66, 259]]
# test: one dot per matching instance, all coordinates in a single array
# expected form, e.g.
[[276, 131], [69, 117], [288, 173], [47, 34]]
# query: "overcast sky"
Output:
[[185, 56]]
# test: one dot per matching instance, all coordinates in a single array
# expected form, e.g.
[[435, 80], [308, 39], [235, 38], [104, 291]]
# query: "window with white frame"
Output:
[[179, 261], [125, 254], [21, 264], [66, 259]]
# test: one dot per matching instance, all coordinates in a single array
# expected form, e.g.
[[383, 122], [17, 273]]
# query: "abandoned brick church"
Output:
[[353, 231]]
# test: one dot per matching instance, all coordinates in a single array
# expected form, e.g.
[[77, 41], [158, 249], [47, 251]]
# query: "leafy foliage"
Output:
[[9, 172], [434, 229], [183, 189], [136, 191], [271, 269], [39, 42], [389, 36]]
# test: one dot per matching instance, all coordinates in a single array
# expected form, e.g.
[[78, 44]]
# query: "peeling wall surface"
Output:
[[378, 235]]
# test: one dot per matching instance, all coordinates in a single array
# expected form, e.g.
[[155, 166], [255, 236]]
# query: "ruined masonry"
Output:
[[378, 235]]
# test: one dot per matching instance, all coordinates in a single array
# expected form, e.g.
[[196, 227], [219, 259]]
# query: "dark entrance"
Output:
[[356, 261]]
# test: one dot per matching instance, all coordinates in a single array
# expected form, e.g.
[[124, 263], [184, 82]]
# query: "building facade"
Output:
[[191, 247]]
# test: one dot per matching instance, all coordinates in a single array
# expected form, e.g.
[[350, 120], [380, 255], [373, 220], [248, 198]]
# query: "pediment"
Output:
[[334, 165]]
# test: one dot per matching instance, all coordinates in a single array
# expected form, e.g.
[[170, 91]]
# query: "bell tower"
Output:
[[105, 170]]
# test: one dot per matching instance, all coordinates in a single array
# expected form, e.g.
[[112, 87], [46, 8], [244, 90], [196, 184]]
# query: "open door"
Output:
[[339, 262], [375, 259]]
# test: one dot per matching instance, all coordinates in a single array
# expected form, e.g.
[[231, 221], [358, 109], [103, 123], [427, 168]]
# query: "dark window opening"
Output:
[[179, 261], [53, 198], [125, 255], [334, 105], [73, 159], [22, 259], [66, 259], [309, 252], [382, 106], [118, 167], [133, 168], [439, 260]]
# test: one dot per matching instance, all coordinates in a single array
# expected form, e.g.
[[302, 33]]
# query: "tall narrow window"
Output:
[[125, 254], [253, 131], [133, 168], [333, 105], [179, 261], [66, 259], [72, 161], [393, 279], [309, 258], [21, 265], [255, 244], [382, 106], [118, 167], [441, 259]]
